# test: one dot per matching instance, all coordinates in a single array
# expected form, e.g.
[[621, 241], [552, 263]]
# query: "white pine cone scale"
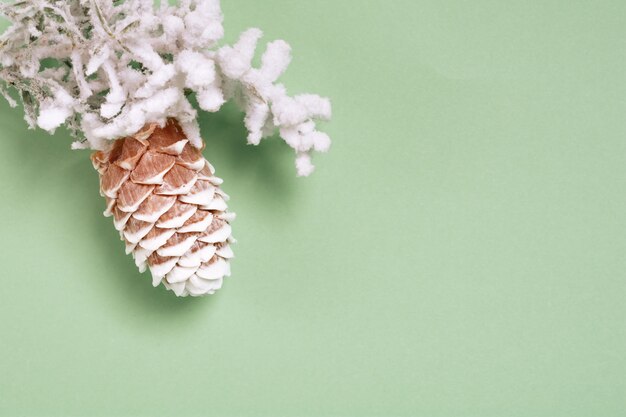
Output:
[[168, 207]]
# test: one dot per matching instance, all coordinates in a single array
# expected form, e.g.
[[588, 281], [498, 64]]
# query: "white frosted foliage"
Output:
[[106, 69]]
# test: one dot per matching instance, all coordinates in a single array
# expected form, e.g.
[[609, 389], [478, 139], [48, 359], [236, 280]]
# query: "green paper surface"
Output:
[[461, 251]]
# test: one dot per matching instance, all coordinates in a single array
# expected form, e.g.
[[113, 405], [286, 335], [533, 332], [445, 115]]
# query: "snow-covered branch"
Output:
[[106, 68]]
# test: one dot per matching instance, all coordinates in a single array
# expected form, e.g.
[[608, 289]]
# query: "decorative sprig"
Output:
[[106, 68]]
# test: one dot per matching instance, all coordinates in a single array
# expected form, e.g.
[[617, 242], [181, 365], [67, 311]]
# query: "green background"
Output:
[[461, 251]]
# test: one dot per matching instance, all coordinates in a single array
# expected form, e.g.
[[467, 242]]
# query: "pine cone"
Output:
[[168, 207]]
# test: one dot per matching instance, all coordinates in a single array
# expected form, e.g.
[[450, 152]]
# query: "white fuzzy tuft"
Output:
[[51, 117], [54, 111], [109, 68], [304, 165], [210, 98], [236, 60]]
